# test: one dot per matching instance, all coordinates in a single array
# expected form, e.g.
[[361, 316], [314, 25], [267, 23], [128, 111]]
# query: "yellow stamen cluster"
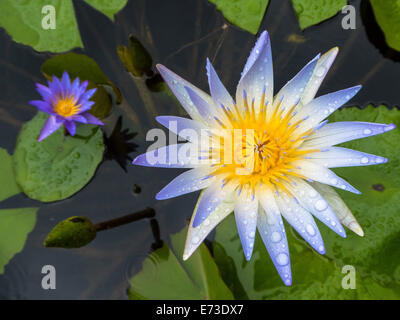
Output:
[[264, 157], [66, 107]]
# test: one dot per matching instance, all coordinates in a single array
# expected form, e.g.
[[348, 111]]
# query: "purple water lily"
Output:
[[66, 102]]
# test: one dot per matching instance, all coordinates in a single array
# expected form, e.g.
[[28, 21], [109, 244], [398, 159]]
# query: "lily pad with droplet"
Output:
[[59, 166]]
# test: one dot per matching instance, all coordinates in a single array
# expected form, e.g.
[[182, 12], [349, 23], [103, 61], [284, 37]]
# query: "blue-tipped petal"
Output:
[[272, 231], [313, 171], [71, 127], [255, 52], [185, 128], [323, 106], [290, 94], [319, 73], [334, 157], [212, 197], [91, 119], [51, 125], [258, 79], [195, 236], [301, 221], [218, 91], [187, 182], [167, 157], [177, 85], [312, 201], [246, 210], [339, 132], [207, 111]]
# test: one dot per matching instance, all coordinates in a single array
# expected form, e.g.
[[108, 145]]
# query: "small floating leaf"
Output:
[[246, 14], [23, 21], [136, 58], [387, 14], [74, 232], [310, 12], [59, 166], [166, 276], [15, 225], [8, 185]]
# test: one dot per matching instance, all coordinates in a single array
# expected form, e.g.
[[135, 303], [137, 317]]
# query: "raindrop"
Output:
[[282, 259], [367, 131], [276, 236], [364, 160], [320, 71], [321, 205], [310, 230]]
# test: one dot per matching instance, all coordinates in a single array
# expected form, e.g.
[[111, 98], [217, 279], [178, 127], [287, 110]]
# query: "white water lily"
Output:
[[293, 148]]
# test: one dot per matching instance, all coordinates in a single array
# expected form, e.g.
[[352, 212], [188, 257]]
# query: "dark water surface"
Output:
[[179, 34]]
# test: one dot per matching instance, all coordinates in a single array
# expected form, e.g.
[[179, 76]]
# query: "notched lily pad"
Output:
[[310, 12], [166, 276], [8, 186], [15, 225], [23, 21], [59, 166], [246, 14]]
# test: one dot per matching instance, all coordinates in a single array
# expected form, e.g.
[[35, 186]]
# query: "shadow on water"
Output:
[[180, 35]]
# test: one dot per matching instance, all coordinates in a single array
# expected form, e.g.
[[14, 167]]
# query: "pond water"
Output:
[[179, 34]]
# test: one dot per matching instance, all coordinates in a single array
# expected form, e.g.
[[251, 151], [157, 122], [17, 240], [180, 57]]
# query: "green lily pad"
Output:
[[84, 67], [58, 166], [246, 14], [166, 276], [310, 12], [387, 14], [15, 225], [8, 186], [375, 256], [23, 22]]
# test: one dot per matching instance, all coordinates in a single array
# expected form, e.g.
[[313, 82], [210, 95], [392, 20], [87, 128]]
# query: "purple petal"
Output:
[[86, 96], [66, 83], [42, 106], [86, 106], [51, 125], [255, 52], [79, 118], [207, 111], [91, 119], [71, 127], [44, 91]]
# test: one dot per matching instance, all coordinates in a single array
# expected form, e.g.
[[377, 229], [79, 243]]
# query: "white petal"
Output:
[[257, 77], [212, 197], [319, 173], [195, 236], [321, 107], [272, 231], [246, 209], [334, 157], [177, 85], [170, 157], [292, 92], [187, 182], [339, 207], [187, 129], [300, 220], [313, 202], [338, 132], [319, 73]]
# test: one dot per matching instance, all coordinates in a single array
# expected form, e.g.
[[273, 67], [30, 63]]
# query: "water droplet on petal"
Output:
[[282, 259]]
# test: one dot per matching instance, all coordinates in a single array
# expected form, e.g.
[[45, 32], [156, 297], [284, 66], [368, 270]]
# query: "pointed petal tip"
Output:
[[389, 127], [288, 282], [160, 67]]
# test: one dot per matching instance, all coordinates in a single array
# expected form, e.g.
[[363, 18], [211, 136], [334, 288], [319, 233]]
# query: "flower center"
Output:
[[66, 107], [260, 148]]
